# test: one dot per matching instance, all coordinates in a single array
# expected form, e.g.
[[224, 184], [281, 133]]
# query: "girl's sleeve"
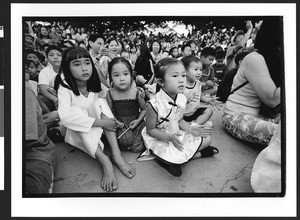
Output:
[[72, 117], [105, 109]]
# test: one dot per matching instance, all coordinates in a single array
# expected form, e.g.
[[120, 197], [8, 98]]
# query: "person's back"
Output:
[[245, 99], [225, 85], [242, 116]]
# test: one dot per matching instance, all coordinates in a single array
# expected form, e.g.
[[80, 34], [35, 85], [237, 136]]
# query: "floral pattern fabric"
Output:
[[250, 128]]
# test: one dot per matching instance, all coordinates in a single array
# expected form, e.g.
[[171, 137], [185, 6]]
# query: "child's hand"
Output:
[[215, 103], [195, 98], [210, 83], [51, 119], [140, 79], [110, 124], [119, 124], [201, 130], [174, 138], [134, 124]]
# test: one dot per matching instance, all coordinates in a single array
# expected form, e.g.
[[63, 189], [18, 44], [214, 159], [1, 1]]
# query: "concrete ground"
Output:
[[227, 172]]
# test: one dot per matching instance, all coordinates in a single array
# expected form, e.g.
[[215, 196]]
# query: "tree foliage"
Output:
[[131, 23]]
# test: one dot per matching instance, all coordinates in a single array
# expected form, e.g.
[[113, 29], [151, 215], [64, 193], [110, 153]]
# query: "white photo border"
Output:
[[132, 206]]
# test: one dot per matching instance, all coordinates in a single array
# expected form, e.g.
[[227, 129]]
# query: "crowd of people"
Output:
[[152, 94]]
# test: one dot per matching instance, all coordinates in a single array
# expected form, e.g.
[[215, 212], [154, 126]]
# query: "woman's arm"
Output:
[[258, 75]]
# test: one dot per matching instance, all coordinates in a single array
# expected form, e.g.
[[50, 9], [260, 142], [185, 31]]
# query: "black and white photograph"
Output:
[[152, 105]]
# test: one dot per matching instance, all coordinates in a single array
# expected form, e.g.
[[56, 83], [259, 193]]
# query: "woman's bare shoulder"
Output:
[[253, 57]]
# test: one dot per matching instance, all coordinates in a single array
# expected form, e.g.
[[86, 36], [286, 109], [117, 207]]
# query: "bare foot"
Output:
[[127, 169], [109, 181]]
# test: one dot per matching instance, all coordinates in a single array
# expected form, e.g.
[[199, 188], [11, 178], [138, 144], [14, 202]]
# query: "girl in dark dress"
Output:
[[127, 104]]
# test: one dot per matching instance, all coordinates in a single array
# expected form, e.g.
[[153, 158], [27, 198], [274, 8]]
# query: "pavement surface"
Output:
[[227, 172]]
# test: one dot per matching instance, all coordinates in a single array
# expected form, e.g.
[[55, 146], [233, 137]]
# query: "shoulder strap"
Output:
[[240, 86]]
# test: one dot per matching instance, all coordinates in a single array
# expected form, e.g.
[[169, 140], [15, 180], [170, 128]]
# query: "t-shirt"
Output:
[[207, 74], [47, 76], [192, 103], [219, 71]]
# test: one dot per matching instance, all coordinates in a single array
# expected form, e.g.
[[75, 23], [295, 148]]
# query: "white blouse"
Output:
[[77, 115]]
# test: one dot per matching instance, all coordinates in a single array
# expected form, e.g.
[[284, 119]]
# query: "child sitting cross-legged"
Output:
[[194, 112], [167, 136]]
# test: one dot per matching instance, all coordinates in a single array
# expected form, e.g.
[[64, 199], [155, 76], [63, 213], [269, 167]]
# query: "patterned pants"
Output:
[[250, 128]]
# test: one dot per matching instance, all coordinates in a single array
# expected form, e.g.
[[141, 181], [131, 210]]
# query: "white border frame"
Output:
[[107, 207]]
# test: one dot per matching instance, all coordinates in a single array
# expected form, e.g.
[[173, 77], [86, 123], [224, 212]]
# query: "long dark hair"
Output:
[[160, 69], [269, 43], [70, 54], [119, 60]]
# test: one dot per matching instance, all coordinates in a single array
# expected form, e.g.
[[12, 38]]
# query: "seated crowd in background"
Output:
[[214, 65]]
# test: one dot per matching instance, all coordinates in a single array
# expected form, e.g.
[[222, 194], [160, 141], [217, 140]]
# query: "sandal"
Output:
[[174, 169], [209, 151]]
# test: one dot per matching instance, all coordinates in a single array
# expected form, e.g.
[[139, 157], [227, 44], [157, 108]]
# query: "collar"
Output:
[[165, 95], [191, 87]]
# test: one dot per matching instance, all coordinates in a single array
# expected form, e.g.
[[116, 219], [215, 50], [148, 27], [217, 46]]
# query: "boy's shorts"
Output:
[[194, 116]]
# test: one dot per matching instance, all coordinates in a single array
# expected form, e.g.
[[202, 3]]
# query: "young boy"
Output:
[[47, 77], [37, 58], [29, 42], [219, 67], [185, 51], [208, 79], [194, 111], [31, 75]]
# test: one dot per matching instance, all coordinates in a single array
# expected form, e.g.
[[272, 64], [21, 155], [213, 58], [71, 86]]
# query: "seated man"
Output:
[[38, 149]]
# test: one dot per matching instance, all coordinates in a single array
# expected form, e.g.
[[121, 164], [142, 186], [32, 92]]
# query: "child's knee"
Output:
[[209, 112], [206, 141]]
